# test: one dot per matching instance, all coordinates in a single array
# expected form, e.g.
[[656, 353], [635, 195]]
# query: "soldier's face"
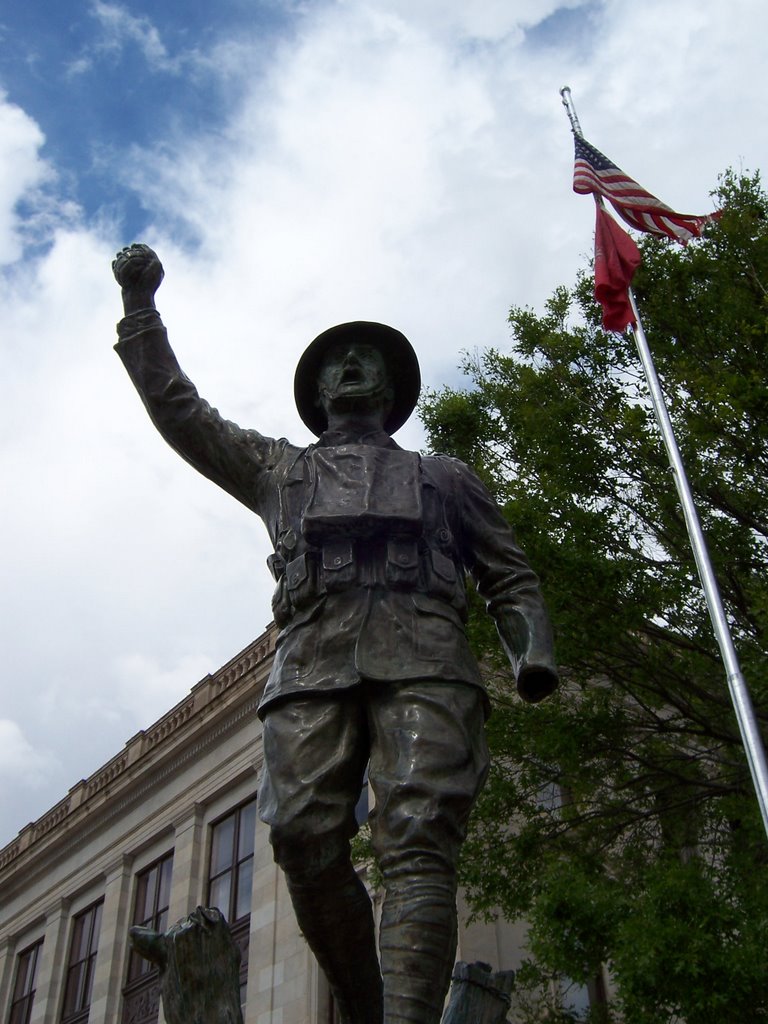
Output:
[[353, 371]]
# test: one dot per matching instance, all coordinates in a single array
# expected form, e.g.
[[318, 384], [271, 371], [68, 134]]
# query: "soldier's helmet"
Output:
[[399, 356]]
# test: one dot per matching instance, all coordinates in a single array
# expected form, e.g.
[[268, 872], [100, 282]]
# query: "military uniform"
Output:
[[371, 545]]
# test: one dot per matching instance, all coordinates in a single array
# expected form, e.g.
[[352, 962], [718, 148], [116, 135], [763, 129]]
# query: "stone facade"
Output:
[[165, 794]]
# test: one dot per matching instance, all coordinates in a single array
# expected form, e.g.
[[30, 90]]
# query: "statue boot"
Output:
[[418, 948]]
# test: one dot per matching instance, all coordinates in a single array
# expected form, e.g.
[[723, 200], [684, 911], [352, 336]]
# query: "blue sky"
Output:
[[97, 77], [295, 165]]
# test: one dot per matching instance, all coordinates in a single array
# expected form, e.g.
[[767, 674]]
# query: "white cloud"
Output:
[[492, 21], [120, 27], [121, 30], [21, 761], [22, 173]]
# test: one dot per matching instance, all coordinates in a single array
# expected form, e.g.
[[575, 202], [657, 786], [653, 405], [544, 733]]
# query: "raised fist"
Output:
[[137, 269]]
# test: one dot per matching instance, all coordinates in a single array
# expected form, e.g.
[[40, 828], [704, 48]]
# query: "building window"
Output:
[[230, 877], [26, 983], [81, 964], [578, 1000], [150, 907], [574, 997]]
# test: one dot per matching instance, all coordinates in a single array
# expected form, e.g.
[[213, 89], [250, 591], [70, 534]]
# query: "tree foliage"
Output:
[[652, 858]]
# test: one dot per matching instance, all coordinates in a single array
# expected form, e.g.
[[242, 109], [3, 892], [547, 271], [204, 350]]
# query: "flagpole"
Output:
[[740, 698], [742, 702], [565, 95]]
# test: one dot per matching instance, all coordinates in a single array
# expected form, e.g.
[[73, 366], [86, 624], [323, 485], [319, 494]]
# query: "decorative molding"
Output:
[[9, 853], [105, 775], [50, 820], [259, 652], [169, 724]]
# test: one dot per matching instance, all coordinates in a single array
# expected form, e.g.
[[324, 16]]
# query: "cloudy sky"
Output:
[[296, 164]]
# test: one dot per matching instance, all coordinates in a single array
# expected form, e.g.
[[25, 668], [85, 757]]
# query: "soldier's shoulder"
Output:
[[276, 453], [445, 466], [291, 450], [445, 461]]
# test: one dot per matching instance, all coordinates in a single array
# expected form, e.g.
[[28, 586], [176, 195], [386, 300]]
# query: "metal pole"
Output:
[[740, 697], [570, 109]]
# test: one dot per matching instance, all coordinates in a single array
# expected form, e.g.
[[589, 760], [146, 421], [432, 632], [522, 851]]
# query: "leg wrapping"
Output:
[[418, 948], [335, 915]]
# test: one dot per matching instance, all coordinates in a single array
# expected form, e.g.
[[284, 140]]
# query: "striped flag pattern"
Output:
[[595, 174]]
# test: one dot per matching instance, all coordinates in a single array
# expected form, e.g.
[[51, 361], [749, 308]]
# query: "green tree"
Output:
[[652, 858]]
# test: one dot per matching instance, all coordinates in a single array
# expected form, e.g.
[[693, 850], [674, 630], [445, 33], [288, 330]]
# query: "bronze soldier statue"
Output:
[[372, 666]]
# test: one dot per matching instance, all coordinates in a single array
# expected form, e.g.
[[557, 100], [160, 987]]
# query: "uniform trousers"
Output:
[[425, 746]]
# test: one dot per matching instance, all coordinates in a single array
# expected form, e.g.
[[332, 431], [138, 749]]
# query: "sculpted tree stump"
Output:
[[199, 968], [478, 995]]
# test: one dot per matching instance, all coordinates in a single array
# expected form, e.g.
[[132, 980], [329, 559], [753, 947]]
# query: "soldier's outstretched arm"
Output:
[[230, 456]]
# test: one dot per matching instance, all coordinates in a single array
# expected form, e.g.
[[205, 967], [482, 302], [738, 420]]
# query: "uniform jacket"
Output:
[[379, 596]]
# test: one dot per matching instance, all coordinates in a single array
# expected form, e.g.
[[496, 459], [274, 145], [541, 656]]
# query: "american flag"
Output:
[[594, 173]]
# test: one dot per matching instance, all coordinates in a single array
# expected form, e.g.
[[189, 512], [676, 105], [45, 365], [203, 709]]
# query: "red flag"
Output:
[[616, 260], [594, 173]]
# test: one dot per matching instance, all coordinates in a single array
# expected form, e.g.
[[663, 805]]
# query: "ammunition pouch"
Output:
[[401, 570], [339, 571], [398, 564], [442, 578]]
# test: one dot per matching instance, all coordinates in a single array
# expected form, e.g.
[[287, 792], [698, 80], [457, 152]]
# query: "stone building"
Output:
[[169, 823]]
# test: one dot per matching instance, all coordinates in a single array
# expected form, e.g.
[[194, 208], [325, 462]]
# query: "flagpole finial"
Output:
[[570, 109]]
